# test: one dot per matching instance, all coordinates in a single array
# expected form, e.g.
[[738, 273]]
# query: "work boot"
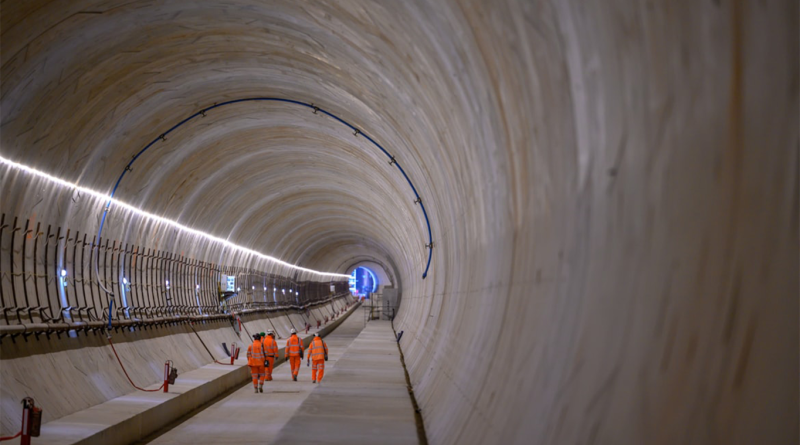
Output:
[[294, 377], [261, 388], [313, 381], [256, 390]]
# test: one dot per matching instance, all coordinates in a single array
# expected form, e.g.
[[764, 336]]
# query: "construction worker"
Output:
[[317, 353], [294, 353], [255, 359], [271, 349]]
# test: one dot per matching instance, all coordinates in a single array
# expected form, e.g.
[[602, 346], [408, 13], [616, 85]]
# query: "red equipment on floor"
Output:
[[31, 422], [234, 352], [170, 375]]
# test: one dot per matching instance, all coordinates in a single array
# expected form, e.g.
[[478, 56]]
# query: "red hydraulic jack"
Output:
[[238, 323], [31, 421], [170, 375], [234, 352]]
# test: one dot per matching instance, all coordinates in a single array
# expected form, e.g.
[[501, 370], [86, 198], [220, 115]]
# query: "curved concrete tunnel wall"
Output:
[[611, 188]]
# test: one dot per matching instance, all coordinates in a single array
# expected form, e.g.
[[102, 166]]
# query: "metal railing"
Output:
[[47, 279], [372, 312]]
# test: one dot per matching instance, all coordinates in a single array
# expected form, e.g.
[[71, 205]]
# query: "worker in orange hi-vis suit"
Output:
[[317, 354], [294, 353], [271, 349], [255, 359]]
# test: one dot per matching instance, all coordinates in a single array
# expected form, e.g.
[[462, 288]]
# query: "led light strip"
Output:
[[106, 198]]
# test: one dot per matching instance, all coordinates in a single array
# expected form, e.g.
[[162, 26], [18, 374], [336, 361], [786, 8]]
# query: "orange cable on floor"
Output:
[[11, 437], [126, 372], [206, 347]]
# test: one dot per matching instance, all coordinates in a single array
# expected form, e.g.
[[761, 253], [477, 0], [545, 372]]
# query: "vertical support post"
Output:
[[25, 437], [166, 376], [31, 421]]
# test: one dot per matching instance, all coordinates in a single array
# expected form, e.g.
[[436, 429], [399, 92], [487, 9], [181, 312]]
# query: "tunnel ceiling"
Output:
[[86, 86]]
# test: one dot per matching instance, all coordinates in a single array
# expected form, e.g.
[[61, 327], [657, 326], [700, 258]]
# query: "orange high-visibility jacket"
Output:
[[293, 346], [255, 354], [317, 349], [270, 347]]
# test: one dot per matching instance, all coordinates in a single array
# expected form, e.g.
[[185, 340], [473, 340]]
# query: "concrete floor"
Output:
[[362, 397], [363, 400]]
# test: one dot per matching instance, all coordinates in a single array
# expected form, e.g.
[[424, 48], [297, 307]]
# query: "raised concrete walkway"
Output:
[[137, 415], [362, 399]]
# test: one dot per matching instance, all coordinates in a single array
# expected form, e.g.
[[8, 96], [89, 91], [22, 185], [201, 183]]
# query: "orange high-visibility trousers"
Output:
[[317, 370], [268, 368], [258, 374], [295, 360]]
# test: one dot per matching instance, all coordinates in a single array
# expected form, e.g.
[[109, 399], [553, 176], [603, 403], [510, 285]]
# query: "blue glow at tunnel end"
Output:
[[353, 281]]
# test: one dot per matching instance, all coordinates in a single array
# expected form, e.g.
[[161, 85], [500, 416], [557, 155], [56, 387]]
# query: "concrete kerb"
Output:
[[137, 415]]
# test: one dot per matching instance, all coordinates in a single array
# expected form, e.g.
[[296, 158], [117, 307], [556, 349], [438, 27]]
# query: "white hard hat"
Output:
[[316, 334], [293, 331]]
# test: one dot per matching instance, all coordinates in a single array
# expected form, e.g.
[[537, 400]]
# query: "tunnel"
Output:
[[586, 215]]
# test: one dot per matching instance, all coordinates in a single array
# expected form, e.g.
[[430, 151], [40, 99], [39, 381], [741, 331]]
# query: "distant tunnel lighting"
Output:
[[197, 286], [363, 281], [158, 219], [254, 288], [63, 272], [124, 280]]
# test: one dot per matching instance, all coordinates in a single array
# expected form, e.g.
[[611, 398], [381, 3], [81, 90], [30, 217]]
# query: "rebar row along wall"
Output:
[[55, 275]]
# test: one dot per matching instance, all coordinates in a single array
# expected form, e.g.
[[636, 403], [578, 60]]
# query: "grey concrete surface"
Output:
[[612, 187], [137, 415], [124, 419], [362, 400], [75, 379]]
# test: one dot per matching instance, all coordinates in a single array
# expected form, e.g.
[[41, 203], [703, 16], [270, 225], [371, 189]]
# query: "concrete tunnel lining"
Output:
[[612, 188]]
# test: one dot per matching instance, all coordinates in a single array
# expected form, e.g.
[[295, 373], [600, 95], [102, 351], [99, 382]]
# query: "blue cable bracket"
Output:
[[356, 132]]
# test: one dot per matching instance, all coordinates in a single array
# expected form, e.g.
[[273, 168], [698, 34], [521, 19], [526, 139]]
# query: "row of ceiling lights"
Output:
[[159, 219]]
